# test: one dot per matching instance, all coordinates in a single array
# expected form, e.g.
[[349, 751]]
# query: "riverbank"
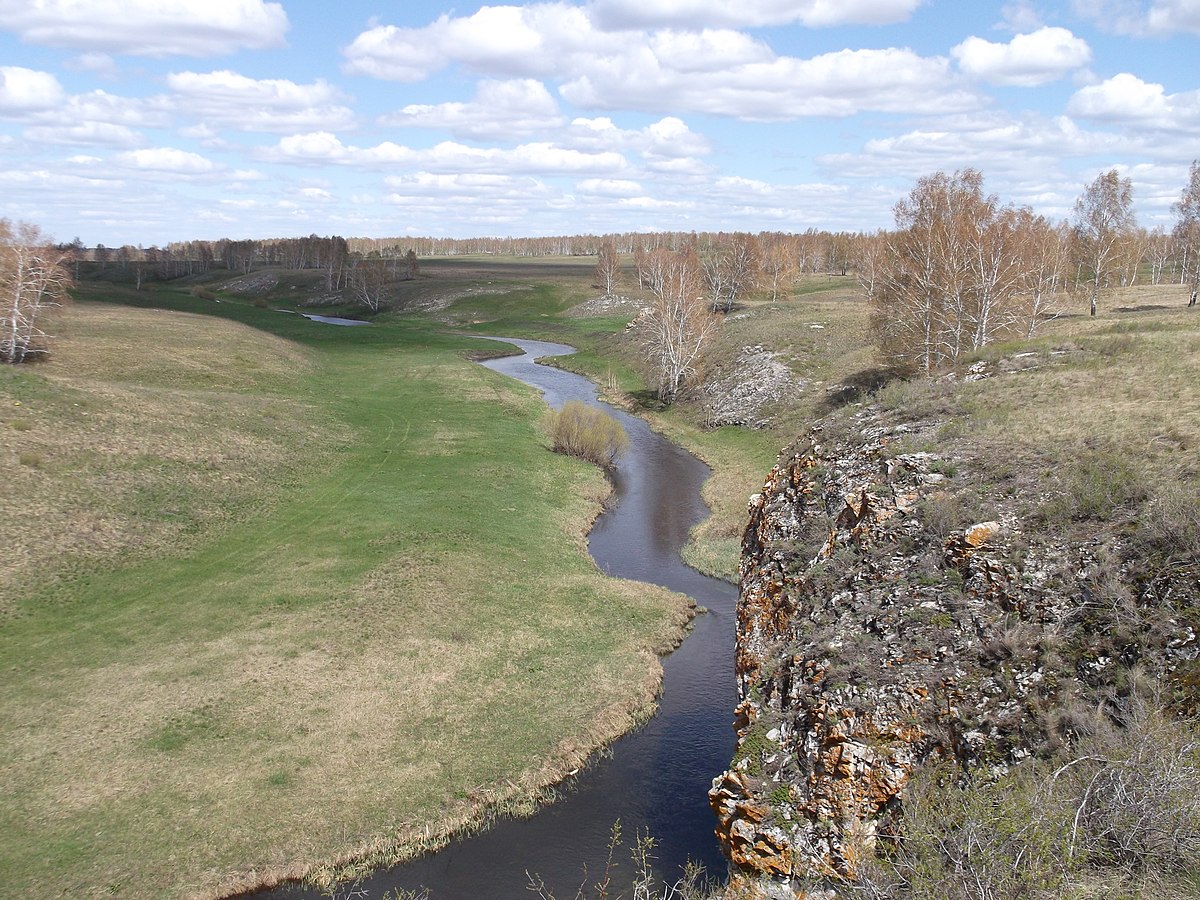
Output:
[[207, 698], [654, 781]]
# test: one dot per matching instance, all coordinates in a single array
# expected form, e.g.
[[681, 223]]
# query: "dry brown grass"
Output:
[[147, 425], [1118, 387]]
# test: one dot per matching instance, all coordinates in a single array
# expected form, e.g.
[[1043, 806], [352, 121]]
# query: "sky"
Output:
[[144, 122]]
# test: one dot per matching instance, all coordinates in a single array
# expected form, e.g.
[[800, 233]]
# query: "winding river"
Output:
[[655, 780]]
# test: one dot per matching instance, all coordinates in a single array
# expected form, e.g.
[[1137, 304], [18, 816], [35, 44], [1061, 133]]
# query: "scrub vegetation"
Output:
[[587, 432]]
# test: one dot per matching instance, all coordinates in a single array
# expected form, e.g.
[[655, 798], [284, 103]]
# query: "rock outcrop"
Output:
[[890, 617], [744, 394]]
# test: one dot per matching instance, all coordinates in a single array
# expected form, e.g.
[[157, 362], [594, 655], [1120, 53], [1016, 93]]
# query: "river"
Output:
[[655, 780]]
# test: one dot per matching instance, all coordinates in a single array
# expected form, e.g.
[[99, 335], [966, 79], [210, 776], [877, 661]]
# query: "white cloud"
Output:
[[501, 109], [27, 90], [147, 27], [1135, 17], [1169, 16], [685, 168], [1020, 16], [714, 71], [97, 63], [313, 146], [440, 184], [835, 84], [44, 178], [529, 41], [272, 105], [112, 109], [86, 134], [622, 14], [655, 203], [96, 117], [668, 138], [609, 187], [446, 157], [995, 143], [536, 157], [1027, 60], [707, 51], [474, 199], [166, 160], [1126, 99]]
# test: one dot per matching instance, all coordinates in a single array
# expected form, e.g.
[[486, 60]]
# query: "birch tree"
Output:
[[368, 280], [779, 266], [1046, 250], [732, 271], [960, 272], [1187, 230], [608, 267], [34, 278], [1104, 224], [681, 321]]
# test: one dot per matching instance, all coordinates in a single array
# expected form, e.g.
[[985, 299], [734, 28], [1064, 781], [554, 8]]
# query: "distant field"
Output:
[[286, 594]]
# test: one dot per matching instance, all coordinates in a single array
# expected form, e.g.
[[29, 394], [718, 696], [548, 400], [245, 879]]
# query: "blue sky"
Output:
[[149, 121]]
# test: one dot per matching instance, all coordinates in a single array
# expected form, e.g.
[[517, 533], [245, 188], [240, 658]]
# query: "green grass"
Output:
[[375, 614]]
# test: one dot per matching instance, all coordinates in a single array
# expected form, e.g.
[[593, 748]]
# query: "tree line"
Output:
[[960, 270]]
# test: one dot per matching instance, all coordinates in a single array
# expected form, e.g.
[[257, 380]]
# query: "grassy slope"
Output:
[[395, 626]]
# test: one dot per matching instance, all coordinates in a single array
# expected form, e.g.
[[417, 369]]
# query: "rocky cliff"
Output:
[[895, 611]]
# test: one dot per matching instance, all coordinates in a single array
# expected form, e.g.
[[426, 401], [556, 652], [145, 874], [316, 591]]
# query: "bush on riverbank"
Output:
[[589, 433]]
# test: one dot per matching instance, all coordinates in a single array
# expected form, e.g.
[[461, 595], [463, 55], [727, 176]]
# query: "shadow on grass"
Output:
[[858, 386], [647, 399]]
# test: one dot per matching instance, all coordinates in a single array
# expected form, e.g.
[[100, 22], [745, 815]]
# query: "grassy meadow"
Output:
[[283, 598], [286, 594]]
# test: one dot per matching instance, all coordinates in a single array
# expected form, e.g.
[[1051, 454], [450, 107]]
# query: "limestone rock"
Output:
[[871, 641]]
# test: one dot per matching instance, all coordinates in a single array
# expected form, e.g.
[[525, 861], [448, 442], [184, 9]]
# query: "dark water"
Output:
[[656, 779]]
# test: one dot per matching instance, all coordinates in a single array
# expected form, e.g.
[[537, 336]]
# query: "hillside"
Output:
[[996, 572], [266, 599]]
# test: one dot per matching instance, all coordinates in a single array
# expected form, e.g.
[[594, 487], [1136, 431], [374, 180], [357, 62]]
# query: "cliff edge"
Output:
[[900, 608]]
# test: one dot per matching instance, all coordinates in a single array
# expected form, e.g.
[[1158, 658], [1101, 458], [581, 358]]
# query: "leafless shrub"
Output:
[[983, 840], [1136, 793], [1125, 808], [589, 433]]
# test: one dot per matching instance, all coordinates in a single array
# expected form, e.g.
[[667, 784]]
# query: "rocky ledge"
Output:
[[878, 629]]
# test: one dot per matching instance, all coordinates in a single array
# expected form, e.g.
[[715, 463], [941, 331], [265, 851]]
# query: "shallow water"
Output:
[[333, 320], [656, 779]]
